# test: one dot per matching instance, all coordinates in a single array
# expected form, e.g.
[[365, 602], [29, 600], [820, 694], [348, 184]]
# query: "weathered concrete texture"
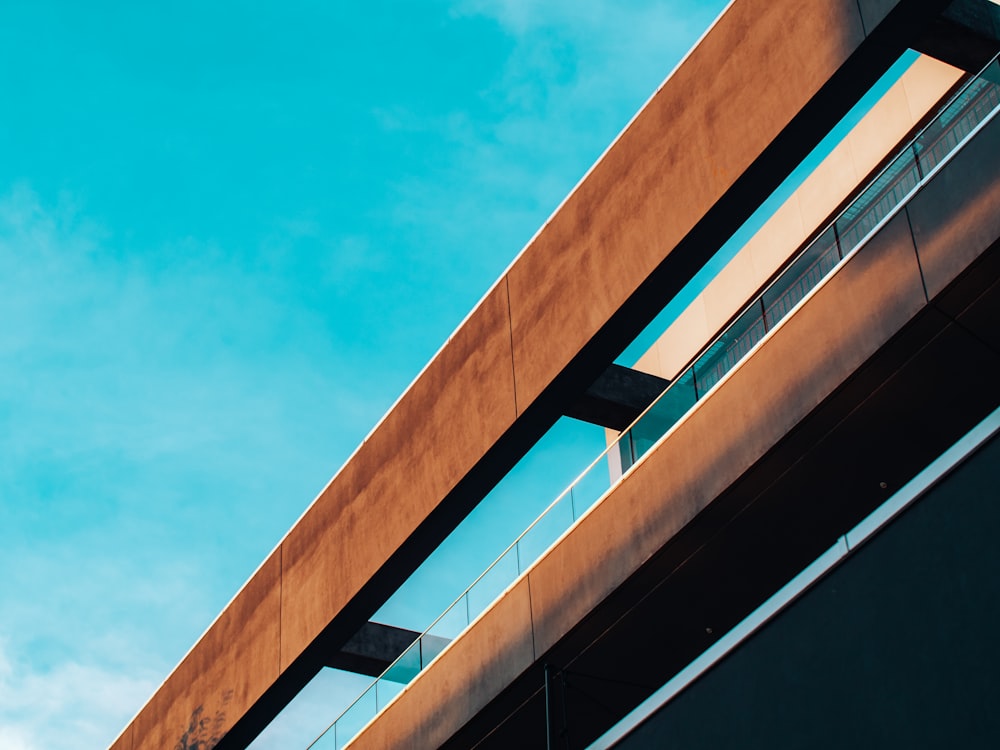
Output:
[[957, 216], [734, 94], [815, 351], [444, 424], [980, 318], [808, 209], [226, 672], [751, 76], [500, 648]]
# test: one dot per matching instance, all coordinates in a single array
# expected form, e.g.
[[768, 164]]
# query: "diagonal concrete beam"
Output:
[[748, 103], [617, 398]]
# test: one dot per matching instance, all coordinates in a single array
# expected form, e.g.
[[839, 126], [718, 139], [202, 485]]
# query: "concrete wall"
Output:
[[888, 122], [742, 108], [905, 271]]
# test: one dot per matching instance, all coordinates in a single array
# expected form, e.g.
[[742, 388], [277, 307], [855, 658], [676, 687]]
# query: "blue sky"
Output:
[[230, 236]]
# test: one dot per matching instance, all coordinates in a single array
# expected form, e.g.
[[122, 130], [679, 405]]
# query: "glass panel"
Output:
[[729, 349], [326, 741], [498, 577], [800, 277], [430, 647], [547, 530], [354, 718], [385, 691], [875, 203], [590, 487], [959, 119], [664, 414], [454, 620], [625, 451], [406, 667]]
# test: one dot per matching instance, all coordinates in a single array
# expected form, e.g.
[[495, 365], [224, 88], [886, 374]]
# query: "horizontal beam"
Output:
[[372, 649], [617, 398]]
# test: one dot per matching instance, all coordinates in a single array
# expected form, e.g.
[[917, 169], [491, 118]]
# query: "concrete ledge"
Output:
[[452, 415], [703, 130], [815, 351]]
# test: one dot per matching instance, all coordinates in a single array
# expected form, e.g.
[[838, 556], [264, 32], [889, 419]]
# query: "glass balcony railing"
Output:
[[965, 113], [968, 110]]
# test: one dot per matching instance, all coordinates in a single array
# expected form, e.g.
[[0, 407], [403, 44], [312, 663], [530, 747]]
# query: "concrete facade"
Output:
[[756, 94], [877, 303]]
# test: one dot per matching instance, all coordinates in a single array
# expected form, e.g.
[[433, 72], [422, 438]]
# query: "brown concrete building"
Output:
[[843, 363]]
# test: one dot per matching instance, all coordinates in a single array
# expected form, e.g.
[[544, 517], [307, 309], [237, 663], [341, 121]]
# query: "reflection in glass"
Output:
[[546, 530], [454, 620], [406, 667], [355, 717], [326, 741], [430, 647], [589, 488], [959, 119], [874, 204], [801, 277], [729, 348], [660, 417], [385, 691]]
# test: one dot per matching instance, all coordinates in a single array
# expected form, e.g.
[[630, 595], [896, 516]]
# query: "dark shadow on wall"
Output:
[[204, 733]]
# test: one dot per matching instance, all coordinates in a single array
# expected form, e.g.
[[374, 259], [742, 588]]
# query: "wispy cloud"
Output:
[[152, 398], [139, 391], [68, 706]]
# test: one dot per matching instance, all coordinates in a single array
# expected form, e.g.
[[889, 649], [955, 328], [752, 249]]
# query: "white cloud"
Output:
[[146, 385], [73, 705], [138, 393]]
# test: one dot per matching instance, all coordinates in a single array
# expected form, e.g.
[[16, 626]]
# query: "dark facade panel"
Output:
[[957, 216], [966, 35], [896, 647], [899, 411], [803, 441], [617, 398]]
